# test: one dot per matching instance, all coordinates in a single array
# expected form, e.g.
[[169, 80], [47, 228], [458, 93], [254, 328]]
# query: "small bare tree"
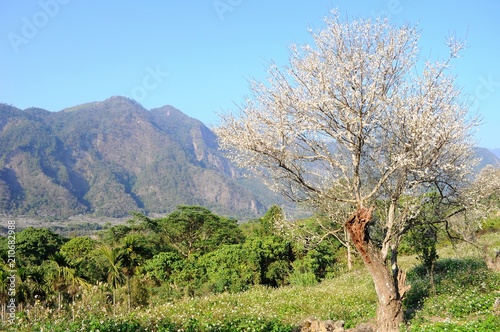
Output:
[[358, 119]]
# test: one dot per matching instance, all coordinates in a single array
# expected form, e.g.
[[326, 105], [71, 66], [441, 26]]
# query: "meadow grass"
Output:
[[465, 289], [350, 297]]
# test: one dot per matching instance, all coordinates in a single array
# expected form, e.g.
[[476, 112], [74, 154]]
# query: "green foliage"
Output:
[[134, 251], [192, 229], [277, 272], [131, 324], [272, 257], [190, 277], [263, 258], [465, 288], [249, 324], [113, 265], [35, 245], [35, 283], [76, 250], [491, 225], [268, 221], [116, 233], [423, 239], [487, 324], [161, 266], [139, 293], [304, 272], [302, 279], [225, 287], [251, 228], [82, 254], [228, 269], [142, 262]]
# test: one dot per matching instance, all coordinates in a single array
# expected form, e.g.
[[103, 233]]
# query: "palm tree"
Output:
[[130, 254], [23, 291], [36, 283], [63, 278], [113, 258], [74, 282], [55, 279]]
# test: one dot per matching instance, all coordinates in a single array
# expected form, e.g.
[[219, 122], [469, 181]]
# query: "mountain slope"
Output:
[[112, 157], [496, 152], [487, 158]]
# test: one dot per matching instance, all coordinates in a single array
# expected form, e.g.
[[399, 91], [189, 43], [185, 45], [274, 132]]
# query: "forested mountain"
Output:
[[112, 157]]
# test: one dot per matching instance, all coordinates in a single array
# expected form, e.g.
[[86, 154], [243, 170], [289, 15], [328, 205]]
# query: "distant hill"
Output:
[[487, 158], [112, 157], [496, 152]]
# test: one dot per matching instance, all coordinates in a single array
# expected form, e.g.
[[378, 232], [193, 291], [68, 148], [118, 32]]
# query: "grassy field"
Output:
[[462, 299]]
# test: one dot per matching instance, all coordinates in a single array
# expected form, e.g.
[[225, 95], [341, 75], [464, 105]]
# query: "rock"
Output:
[[363, 328], [313, 325], [310, 325], [496, 305]]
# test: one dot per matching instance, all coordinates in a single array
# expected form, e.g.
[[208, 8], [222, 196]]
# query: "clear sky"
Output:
[[198, 55]]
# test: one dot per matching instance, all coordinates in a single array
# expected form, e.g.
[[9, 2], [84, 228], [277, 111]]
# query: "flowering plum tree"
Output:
[[359, 119]]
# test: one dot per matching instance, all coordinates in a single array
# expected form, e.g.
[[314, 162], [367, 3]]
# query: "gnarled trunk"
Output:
[[390, 307]]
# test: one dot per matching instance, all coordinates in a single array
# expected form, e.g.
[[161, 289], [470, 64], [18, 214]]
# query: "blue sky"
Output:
[[198, 55]]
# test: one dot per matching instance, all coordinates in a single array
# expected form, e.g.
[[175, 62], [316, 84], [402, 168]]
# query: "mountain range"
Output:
[[112, 157], [488, 157], [496, 152]]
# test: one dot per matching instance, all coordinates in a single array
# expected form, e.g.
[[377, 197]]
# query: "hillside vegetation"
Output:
[[148, 276]]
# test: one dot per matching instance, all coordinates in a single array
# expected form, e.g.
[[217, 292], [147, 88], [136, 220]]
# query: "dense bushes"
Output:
[[193, 325], [137, 278], [257, 256]]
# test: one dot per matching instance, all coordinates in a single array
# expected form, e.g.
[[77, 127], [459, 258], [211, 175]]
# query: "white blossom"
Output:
[[351, 114]]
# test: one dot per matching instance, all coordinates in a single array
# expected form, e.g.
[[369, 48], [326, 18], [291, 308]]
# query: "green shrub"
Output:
[[303, 272], [227, 269], [302, 279], [491, 225], [94, 324]]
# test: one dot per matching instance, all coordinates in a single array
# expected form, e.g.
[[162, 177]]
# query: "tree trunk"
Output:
[[390, 307], [431, 275], [128, 293], [114, 302]]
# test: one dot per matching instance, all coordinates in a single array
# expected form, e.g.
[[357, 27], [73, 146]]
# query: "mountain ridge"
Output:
[[111, 157], [488, 157], [496, 152]]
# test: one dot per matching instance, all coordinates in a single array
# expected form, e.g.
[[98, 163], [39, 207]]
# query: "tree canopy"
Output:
[[34, 245], [192, 229]]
